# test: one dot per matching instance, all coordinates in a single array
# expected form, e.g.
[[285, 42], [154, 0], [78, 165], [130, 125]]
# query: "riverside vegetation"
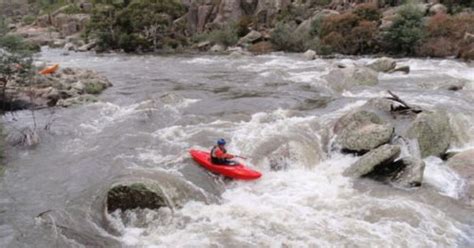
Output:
[[398, 28]]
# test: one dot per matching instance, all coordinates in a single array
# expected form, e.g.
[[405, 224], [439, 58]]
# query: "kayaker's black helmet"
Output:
[[221, 142]]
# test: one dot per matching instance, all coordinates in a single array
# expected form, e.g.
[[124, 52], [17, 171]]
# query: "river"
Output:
[[161, 106]]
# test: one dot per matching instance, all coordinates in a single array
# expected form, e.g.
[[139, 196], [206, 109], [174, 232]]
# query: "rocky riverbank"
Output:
[[262, 26], [64, 88]]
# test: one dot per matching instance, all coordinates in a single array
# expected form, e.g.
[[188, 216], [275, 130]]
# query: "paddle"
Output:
[[237, 156]]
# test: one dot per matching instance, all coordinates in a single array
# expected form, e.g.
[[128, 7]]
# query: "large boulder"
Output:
[[412, 173], [135, 195], [463, 164], [359, 117], [356, 138], [433, 132], [310, 55], [251, 37], [217, 48], [376, 159], [340, 79], [384, 64]]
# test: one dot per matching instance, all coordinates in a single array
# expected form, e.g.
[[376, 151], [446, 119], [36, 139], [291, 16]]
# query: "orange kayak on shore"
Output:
[[49, 70]]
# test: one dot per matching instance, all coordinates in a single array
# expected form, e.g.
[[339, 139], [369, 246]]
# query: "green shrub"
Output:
[[28, 20], [72, 9], [227, 36], [406, 32], [15, 43], [283, 38], [136, 25], [314, 3], [94, 88], [315, 28], [14, 65]]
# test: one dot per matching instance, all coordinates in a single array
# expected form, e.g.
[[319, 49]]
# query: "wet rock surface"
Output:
[[137, 195], [366, 137], [463, 164], [433, 132], [340, 79], [64, 88], [380, 157]]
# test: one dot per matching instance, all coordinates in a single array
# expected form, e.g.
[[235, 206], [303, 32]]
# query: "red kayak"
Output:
[[238, 171]]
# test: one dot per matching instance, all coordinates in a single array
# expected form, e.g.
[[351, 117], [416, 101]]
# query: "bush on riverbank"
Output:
[[445, 35], [353, 32], [16, 43], [406, 32], [138, 25]]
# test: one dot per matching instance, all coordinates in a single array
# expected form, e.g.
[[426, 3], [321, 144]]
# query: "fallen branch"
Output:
[[404, 106]]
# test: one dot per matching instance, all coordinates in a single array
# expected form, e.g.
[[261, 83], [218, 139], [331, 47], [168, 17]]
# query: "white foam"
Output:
[[299, 208], [443, 178]]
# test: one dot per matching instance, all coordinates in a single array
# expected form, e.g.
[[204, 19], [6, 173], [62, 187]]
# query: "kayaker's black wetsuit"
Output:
[[219, 156]]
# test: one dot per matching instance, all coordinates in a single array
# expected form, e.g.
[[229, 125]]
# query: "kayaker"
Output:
[[219, 154]]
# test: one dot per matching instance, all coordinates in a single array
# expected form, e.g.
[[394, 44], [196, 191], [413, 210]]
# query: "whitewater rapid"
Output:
[[161, 106]]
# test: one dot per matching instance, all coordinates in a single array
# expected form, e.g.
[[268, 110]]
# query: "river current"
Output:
[[161, 106]]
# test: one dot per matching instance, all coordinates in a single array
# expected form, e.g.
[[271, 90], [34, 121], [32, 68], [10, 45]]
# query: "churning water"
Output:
[[273, 109]]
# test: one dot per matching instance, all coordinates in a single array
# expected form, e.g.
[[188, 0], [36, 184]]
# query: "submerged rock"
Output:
[[375, 159], [135, 195], [340, 79], [82, 99], [384, 64], [358, 118], [27, 137], [433, 132], [404, 68], [366, 137]]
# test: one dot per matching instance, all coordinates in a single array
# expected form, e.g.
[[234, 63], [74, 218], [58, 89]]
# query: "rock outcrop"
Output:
[[363, 138], [135, 195], [357, 117], [310, 55], [383, 64], [433, 132], [340, 79], [203, 14], [64, 88], [379, 128], [376, 159]]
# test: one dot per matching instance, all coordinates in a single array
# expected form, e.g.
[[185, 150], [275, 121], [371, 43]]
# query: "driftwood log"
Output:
[[403, 108]]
